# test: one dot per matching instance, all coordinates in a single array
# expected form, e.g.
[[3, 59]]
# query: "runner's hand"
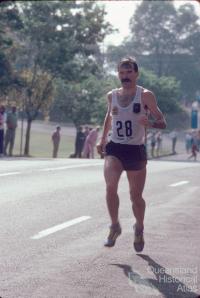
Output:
[[100, 148]]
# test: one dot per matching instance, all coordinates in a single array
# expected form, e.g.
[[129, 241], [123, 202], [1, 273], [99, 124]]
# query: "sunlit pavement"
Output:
[[53, 222]]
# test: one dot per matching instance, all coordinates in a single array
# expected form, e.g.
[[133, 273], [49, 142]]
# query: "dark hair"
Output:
[[128, 62]]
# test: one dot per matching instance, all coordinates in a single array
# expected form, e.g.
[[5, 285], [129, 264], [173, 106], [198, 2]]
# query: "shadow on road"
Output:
[[166, 284]]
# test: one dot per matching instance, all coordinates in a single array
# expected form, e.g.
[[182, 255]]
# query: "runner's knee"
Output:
[[136, 197], [111, 189]]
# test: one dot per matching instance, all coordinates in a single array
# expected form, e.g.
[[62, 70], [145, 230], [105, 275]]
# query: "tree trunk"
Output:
[[27, 141]]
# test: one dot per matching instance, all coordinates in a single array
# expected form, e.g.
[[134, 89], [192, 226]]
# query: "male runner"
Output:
[[127, 119]]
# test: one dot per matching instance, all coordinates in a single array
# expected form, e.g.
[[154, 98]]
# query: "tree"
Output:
[[153, 32], [167, 90], [85, 102], [38, 98], [63, 39], [166, 41], [59, 41], [9, 20]]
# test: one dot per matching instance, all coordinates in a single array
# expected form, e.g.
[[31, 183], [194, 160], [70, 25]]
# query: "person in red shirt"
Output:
[[194, 150]]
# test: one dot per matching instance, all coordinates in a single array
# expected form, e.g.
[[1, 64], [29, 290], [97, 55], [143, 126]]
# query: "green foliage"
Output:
[[5, 73], [108, 83], [39, 93], [9, 20], [166, 89], [166, 41], [64, 37], [84, 102], [59, 41], [56, 41], [38, 98]]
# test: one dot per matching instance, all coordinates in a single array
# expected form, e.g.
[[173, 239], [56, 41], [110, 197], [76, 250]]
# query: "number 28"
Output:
[[120, 127]]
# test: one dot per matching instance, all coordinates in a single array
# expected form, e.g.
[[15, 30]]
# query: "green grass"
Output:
[[41, 145]]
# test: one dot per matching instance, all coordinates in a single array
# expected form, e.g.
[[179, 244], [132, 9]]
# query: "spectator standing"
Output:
[[174, 136], [194, 150], [198, 140], [153, 144], [87, 130], [79, 142], [188, 142], [56, 141], [90, 143], [158, 138], [11, 122], [2, 121]]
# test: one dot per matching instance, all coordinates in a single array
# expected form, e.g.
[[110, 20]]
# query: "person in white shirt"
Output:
[[127, 118]]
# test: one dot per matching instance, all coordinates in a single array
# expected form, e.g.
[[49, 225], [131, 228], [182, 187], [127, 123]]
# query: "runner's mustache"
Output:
[[125, 80]]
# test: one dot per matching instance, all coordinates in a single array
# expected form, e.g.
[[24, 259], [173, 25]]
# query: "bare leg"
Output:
[[7, 140], [112, 173], [91, 151], [136, 183]]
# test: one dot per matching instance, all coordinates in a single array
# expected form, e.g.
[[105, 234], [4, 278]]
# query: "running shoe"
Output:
[[138, 239], [115, 231]]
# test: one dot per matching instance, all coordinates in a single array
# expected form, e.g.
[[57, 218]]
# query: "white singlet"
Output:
[[125, 126]]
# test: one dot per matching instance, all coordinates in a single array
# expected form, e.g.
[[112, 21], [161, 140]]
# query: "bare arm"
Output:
[[106, 126], [150, 102]]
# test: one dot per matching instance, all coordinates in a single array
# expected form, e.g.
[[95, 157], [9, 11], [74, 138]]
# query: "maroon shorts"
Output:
[[132, 157]]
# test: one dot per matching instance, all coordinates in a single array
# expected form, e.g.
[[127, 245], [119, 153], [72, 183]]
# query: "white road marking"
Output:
[[9, 174], [60, 227], [71, 167], [179, 183]]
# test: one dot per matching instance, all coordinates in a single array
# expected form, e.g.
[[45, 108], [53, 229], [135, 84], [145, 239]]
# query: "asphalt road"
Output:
[[53, 221]]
